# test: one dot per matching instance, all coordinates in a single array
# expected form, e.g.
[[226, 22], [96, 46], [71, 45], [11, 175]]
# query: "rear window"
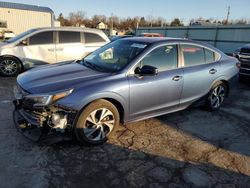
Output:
[[209, 55], [193, 55], [69, 37], [92, 38], [41, 38]]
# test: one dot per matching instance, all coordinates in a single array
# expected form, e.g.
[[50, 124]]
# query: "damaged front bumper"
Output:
[[37, 123]]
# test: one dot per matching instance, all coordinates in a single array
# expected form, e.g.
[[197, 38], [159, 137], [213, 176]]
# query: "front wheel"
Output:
[[216, 96], [10, 66], [96, 122]]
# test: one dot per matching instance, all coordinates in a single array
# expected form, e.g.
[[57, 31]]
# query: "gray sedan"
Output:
[[127, 80]]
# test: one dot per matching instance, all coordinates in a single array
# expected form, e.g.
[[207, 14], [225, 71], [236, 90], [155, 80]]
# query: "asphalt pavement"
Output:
[[191, 148]]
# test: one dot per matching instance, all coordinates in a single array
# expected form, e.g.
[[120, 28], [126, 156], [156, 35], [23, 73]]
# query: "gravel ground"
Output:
[[192, 148]]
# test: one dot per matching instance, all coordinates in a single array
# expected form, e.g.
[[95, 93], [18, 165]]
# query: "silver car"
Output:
[[46, 46], [127, 80]]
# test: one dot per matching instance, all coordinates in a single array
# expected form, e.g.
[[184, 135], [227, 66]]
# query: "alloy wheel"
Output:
[[217, 96], [8, 66], [99, 124]]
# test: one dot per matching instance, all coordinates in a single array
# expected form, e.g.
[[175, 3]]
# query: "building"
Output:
[[21, 17], [101, 25], [204, 23]]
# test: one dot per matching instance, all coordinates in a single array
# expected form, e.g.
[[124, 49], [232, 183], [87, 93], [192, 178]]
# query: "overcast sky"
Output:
[[169, 9]]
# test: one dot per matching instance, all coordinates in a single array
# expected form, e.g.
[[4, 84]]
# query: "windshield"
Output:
[[16, 38], [115, 55]]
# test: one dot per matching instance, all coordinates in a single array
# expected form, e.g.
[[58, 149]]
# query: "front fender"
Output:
[[110, 95], [78, 103]]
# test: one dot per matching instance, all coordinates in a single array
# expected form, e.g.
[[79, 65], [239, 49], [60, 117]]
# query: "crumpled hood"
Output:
[[56, 77]]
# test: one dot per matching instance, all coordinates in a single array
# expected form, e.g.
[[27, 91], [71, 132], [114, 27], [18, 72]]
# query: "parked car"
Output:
[[116, 37], [151, 35], [243, 55], [6, 35], [46, 46], [127, 80]]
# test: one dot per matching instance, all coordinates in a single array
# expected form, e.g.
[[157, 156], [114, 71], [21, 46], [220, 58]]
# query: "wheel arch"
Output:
[[120, 106], [224, 81], [227, 85], [12, 56]]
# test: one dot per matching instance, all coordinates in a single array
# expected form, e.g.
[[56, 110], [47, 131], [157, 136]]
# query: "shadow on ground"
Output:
[[189, 148], [28, 164]]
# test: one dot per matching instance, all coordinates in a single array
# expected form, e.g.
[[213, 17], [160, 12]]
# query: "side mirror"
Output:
[[24, 42], [146, 70]]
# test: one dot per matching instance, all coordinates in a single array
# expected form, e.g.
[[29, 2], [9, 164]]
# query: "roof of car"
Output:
[[68, 29], [155, 39], [151, 40], [25, 7]]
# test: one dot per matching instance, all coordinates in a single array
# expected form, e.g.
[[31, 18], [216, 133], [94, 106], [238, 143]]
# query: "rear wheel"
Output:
[[96, 122], [10, 66], [216, 96]]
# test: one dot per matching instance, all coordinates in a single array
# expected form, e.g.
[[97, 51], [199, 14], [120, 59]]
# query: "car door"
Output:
[[200, 70], [152, 95], [40, 49], [69, 46]]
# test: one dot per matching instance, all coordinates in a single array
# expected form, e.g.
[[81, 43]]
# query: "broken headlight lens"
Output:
[[46, 99]]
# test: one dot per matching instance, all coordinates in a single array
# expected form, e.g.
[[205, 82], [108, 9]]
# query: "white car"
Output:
[[46, 46], [8, 35]]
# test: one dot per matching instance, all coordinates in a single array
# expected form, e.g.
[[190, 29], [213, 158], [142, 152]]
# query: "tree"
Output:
[[143, 22], [62, 20], [150, 19], [241, 22], [176, 22], [78, 18], [97, 19]]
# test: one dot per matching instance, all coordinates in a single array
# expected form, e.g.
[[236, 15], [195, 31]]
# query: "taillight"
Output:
[[238, 65]]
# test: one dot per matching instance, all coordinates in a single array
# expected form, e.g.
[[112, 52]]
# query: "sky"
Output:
[[168, 9]]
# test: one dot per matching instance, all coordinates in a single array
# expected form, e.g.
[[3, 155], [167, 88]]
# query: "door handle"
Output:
[[177, 78], [212, 71], [51, 49]]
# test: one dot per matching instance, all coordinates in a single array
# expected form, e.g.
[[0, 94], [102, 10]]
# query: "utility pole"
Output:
[[228, 13], [138, 22], [112, 25]]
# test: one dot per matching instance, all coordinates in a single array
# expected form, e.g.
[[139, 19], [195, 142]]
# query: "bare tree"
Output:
[[97, 19], [241, 21], [78, 18], [63, 21]]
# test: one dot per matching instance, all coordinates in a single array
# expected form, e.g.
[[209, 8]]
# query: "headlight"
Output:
[[45, 99]]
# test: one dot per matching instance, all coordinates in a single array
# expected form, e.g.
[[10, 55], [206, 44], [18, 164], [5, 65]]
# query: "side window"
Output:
[[163, 58], [209, 56], [92, 38], [193, 55], [41, 38], [69, 37]]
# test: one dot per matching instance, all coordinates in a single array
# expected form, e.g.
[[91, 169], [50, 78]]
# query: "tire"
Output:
[[96, 122], [216, 96], [10, 66]]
